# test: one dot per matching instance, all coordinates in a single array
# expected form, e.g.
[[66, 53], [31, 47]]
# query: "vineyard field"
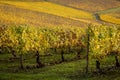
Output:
[[59, 40]]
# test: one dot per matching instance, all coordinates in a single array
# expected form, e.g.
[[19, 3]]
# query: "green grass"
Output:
[[64, 71], [74, 70], [57, 72]]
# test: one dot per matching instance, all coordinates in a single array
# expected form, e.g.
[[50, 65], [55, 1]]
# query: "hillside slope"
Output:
[[58, 10], [89, 5], [13, 15]]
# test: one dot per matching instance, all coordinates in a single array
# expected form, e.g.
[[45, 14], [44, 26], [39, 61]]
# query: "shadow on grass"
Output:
[[113, 74]]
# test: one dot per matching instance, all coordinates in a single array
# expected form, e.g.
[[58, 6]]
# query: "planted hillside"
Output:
[[59, 40], [55, 9], [20, 40], [111, 17], [104, 41], [89, 5], [30, 47]]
